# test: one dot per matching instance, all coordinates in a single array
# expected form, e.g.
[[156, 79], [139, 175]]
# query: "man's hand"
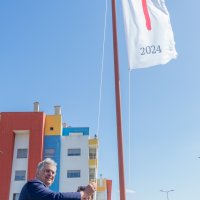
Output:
[[84, 195], [88, 192]]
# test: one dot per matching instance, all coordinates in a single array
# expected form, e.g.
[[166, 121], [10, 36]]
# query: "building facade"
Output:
[[26, 138]]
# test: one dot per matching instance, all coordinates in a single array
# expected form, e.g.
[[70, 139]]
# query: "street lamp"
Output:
[[167, 191]]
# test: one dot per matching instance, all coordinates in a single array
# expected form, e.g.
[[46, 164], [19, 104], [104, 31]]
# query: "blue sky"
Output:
[[50, 51]]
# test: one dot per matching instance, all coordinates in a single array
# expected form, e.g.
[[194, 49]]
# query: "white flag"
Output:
[[149, 35]]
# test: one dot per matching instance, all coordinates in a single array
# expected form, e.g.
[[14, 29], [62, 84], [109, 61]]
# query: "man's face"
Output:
[[47, 174]]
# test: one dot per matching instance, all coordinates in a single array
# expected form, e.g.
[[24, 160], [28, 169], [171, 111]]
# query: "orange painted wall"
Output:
[[10, 121], [109, 189]]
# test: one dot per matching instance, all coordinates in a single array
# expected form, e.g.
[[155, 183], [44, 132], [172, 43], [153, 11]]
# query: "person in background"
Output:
[[38, 188]]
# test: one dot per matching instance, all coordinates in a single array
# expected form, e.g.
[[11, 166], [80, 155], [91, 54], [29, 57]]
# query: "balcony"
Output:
[[93, 163], [93, 142]]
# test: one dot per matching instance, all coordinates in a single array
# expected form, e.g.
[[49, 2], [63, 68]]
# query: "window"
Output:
[[75, 133], [92, 153], [73, 173], [22, 153], [51, 128], [49, 153], [74, 152], [15, 196], [20, 175]]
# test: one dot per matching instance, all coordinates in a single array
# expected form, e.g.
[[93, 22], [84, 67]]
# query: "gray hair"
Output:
[[47, 161]]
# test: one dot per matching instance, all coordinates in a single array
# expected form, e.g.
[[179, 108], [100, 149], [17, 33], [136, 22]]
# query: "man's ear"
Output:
[[37, 173]]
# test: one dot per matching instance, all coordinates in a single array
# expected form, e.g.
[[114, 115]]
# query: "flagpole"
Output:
[[122, 189]]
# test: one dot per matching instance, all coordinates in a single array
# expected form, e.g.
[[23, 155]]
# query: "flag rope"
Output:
[[129, 128], [102, 67]]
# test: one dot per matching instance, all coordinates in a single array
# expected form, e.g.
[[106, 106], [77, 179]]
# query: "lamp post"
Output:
[[167, 191]]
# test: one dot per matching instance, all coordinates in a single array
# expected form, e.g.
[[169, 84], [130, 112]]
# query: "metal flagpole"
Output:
[[122, 189]]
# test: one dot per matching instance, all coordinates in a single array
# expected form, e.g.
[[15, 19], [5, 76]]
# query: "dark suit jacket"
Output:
[[36, 190]]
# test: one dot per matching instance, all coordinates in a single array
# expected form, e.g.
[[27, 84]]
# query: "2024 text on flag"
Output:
[[148, 31]]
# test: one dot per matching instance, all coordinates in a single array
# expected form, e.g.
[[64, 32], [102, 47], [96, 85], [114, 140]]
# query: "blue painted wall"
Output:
[[68, 130], [54, 141]]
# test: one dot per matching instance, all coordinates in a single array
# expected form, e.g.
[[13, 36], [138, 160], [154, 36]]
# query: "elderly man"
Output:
[[38, 189]]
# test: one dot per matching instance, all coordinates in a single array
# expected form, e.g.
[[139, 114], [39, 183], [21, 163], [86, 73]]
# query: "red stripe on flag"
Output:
[[146, 14]]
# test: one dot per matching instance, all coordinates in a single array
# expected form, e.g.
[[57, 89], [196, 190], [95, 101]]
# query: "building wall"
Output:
[[53, 125], [52, 142], [38, 133], [101, 189], [74, 138], [10, 123], [52, 150], [104, 189], [93, 158], [21, 142], [109, 189]]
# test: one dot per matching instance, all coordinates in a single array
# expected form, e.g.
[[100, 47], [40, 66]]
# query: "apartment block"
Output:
[[26, 138]]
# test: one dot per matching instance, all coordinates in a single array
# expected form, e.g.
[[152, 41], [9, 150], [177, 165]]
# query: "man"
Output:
[[38, 189]]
